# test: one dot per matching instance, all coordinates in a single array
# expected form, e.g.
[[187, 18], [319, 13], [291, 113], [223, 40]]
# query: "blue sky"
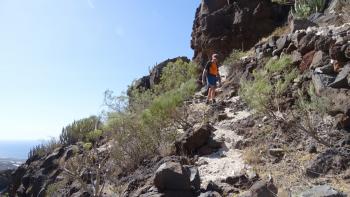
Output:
[[57, 57]]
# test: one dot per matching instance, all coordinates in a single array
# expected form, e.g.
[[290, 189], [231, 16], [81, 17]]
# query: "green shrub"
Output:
[[44, 148], [152, 117], [266, 94], [266, 91], [235, 56], [80, 130], [278, 65], [94, 135], [257, 93], [87, 146], [304, 8]]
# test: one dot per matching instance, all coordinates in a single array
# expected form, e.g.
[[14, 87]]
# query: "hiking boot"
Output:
[[214, 101]]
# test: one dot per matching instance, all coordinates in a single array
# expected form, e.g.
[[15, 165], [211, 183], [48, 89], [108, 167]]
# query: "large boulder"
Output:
[[261, 189], [172, 176], [192, 140], [223, 25]]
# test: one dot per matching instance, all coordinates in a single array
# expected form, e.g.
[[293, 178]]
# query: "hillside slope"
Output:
[[280, 126]]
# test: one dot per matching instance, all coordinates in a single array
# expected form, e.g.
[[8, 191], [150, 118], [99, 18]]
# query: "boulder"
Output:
[[291, 47], [336, 53], [194, 177], [282, 42], [341, 81], [222, 25], [307, 60], [261, 189], [242, 182], [299, 24], [296, 58], [307, 43], [193, 139], [320, 59], [222, 188], [324, 43], [321, 191], [326, 69], [172, 176]]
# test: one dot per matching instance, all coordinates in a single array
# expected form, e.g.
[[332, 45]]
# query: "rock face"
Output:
[[223, 25], [5, 179], [32, 178]]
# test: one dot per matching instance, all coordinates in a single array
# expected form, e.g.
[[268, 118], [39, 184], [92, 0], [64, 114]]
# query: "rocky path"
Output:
[[227, 161]]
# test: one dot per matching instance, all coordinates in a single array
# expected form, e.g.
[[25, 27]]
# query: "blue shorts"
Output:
[[212, 80]]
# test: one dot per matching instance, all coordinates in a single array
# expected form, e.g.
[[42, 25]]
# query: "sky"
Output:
[[57, 57]]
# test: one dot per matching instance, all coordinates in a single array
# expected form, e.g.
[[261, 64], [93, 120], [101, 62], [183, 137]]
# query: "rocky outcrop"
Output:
[[33, 177], [223, 25], [5, 179], [148, 81]]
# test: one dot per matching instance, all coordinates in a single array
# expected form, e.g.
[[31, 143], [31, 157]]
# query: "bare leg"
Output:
[[212, 93], [209, 94]]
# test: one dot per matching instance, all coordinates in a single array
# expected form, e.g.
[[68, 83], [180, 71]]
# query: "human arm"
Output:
[[204, 76], [205, 73]]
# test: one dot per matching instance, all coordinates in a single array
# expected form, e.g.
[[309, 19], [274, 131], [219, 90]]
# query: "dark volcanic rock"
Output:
[[321, 190], [194, 139], [307, 60], [342, 79], [261, 189], [335, 160], [222, 25], [307, 43], [172, 176], [32, 178], [298, 24], [5, 179]]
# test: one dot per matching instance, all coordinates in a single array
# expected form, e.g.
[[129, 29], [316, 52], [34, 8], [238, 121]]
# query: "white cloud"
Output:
[[91, 4]]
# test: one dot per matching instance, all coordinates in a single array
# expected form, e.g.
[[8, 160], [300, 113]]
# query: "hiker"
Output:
[[211, 76]]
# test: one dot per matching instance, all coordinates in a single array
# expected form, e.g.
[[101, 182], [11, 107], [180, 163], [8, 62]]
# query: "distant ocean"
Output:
[[16, 149]]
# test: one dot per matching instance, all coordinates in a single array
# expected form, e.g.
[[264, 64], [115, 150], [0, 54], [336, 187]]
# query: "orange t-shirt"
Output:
[[213, 69]]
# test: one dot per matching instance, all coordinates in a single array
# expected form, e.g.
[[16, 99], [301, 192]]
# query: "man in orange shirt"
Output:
[[212, 76]]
